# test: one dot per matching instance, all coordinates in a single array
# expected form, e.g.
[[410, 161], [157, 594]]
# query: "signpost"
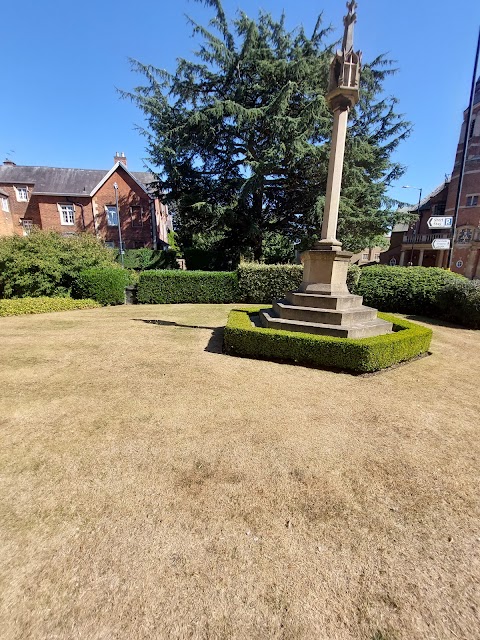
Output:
[[441, 243], [440, 222]]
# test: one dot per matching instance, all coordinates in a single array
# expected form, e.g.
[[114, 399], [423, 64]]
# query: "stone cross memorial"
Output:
[[323, 305]]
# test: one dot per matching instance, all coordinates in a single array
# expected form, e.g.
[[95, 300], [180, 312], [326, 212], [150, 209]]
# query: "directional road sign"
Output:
[[440, 222], [441, 243]]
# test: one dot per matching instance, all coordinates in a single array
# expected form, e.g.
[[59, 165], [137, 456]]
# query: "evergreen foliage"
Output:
[[143, 259], [106, 286], [240, 137], [242, 338], [44, 263], [264, 283], [172, 287], [404, 289]]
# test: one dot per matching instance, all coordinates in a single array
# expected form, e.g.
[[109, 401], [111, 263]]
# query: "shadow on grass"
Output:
[[215, 343], [436, 322]]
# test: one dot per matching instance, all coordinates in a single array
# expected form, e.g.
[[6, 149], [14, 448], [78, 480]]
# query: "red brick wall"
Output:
[[9, 223], [467, 216], [43, 210], [129, 194]]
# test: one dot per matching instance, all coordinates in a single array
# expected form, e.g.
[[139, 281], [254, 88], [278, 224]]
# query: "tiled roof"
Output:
[[78, 182], [3, 193]]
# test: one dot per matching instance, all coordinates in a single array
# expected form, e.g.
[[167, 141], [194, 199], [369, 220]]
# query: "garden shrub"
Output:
[[267, 282], [106, 286], [144, 259], [358, 355], [23, 306], [459, 301], [403, 289], [44, 263], [169, 287]]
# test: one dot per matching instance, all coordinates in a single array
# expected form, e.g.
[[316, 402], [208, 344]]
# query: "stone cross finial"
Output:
[[348, 21]]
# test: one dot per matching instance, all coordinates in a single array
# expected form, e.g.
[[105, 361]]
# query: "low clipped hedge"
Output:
[[25, 306], [106, 286], [409, 340], [413, 290], [171, 287], [267, 282]]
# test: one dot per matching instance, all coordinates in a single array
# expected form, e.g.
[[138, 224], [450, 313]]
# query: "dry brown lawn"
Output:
[[152, 487]]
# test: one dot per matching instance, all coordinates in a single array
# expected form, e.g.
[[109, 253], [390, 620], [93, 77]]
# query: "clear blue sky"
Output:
[[61, 63]]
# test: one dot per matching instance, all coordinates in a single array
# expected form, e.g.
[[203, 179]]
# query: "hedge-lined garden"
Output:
[[48, 264]]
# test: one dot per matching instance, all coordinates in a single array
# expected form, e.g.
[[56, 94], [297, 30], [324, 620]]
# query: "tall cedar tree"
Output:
[[240, 137]]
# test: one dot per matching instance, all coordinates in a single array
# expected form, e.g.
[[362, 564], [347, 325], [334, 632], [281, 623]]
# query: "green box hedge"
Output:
[[106, 286], [43, 304], [170, 287], [364, 355]]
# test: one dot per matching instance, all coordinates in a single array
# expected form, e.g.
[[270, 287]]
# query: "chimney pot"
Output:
[[120, 157]]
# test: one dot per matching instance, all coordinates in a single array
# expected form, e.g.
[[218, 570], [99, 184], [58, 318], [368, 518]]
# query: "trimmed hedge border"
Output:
[[172, 287], [25, 306], [364, 355]]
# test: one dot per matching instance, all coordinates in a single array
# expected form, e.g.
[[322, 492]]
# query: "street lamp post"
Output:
[[115, 186], [407, 186]]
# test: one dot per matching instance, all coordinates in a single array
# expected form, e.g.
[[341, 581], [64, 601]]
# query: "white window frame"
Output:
[[471, 197], [365, 257], [5, 205], [27, 226], [19, 192], [65, 220], [108, 212]]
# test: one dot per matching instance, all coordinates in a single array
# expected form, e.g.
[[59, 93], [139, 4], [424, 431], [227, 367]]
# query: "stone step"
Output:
[[343, 317], [367, 329], [322, 301]]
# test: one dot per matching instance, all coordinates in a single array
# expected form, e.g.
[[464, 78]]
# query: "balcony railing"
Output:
[[423, 238]]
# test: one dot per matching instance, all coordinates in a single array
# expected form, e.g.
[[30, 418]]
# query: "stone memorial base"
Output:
[[323, 305]]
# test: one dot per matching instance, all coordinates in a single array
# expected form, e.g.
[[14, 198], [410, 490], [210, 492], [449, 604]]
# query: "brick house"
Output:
[[414, 244], [73, 201]]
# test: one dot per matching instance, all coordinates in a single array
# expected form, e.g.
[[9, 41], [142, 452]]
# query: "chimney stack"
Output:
[[120, 157]]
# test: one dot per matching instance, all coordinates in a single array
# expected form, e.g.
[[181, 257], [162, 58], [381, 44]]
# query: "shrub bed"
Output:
[[24, 306], [170, 287], [106, 286], [364, 355]]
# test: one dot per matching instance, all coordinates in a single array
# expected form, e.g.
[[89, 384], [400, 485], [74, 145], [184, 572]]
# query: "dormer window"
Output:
[[22, 194]]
